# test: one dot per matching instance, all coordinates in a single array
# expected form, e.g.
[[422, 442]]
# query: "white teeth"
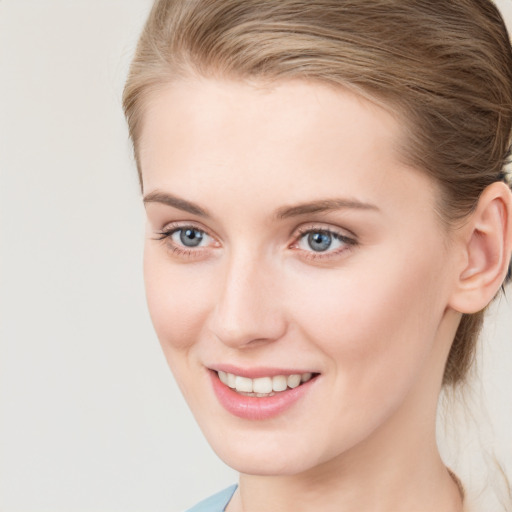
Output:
[[231, 381], [263, 386], [293, 381], [279, 383], [243, 384]]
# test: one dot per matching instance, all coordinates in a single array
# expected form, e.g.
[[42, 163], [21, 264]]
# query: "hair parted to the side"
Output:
[[443, 67]]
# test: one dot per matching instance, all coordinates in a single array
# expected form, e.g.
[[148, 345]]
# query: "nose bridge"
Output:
[[247, 310]]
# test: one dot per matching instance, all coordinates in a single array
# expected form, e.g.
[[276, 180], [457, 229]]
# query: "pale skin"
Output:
[[374, 314]]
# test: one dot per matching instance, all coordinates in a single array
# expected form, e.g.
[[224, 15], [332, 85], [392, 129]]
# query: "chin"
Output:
[[265, 457], [265, 464]]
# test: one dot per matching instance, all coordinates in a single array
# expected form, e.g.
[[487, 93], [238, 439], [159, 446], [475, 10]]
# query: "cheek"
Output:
[[178, 300], [377, 323]]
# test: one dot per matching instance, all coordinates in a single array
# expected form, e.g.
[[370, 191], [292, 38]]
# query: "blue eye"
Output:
[[187, 241], [188, 237], [322, 241], [319, 241]]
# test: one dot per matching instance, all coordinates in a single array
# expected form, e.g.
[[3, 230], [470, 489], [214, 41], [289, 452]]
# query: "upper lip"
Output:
[[258, 371]]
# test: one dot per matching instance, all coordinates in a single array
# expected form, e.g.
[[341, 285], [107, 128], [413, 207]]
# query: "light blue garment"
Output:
[[216, 503]]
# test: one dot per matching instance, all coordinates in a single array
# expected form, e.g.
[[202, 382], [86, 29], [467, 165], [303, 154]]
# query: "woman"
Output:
[[328, 216]]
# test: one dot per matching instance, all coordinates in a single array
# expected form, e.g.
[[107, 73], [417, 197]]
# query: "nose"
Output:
[[248, 311]]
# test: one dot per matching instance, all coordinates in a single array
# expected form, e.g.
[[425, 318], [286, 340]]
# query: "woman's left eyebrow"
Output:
[[323, 205]]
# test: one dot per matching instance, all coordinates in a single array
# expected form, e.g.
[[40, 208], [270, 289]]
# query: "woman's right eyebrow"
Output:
[[175, 202]]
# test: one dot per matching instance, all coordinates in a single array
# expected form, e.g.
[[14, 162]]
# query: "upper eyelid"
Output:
[[328, 228], [174, 225], [170, 230], [171, 227]]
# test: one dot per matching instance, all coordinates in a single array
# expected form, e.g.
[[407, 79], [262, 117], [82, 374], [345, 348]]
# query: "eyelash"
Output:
[[165, 235]]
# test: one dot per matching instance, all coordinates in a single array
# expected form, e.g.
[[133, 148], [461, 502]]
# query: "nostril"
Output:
[[244, 336]]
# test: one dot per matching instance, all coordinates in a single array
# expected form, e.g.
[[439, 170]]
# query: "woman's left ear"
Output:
[[486, 245]]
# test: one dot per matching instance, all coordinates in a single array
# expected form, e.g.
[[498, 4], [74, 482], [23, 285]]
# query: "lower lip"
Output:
[[254, 408]]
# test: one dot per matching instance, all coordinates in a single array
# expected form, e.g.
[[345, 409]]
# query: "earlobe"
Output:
[[487, 246]]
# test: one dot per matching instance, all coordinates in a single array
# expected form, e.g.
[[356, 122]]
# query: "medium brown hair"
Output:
[[444, 67]]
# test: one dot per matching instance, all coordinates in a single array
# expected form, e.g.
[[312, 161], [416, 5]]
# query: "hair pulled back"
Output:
[[444, 67]]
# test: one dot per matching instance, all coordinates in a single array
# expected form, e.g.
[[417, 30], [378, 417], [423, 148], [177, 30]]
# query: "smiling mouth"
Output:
[[262, 387]]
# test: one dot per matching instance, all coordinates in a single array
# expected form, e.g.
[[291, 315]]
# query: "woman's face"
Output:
[[284, 238]]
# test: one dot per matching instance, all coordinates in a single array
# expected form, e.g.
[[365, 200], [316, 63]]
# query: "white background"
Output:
[[90, 417]]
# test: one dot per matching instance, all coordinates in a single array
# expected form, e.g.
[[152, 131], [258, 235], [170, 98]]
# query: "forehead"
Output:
[[258, 113], [306, 137]]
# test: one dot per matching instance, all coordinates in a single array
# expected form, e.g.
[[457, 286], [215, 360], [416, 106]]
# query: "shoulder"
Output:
[[215, 503]]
